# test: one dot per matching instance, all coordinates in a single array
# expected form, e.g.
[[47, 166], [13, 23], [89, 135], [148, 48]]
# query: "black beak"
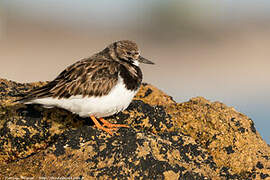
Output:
[[145, 61]]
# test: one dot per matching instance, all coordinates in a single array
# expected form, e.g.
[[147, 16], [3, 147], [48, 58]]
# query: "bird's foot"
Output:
[[110, 127]]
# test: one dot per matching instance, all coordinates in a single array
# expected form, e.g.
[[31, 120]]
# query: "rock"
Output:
[[197, 139]]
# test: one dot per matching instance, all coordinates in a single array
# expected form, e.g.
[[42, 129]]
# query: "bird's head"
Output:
[[128, 51]]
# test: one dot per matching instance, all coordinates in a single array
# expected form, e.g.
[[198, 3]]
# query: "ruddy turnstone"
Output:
[[98, 86]]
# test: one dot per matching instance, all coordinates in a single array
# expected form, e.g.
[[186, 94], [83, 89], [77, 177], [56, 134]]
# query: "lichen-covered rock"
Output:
[[197, 139]]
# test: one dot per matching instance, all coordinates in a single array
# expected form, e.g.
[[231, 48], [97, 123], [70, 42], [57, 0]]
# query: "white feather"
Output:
[[117, 100], [136, 63]]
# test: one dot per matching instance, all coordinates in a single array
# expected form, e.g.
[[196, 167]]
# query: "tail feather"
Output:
[[41, 92]]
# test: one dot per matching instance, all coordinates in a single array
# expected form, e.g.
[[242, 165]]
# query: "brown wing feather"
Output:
[[86, 77]]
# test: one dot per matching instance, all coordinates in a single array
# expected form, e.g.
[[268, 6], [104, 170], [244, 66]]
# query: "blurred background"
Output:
[[216, 49]]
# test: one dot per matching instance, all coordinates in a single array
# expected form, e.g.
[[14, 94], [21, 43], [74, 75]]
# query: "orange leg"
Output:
[[109, 125], [99, 126]]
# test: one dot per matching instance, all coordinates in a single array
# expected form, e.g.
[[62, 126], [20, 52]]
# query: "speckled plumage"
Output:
[[96, 75], [100, 85]]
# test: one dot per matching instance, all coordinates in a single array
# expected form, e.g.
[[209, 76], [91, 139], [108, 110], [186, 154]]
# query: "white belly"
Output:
[[117, 100]]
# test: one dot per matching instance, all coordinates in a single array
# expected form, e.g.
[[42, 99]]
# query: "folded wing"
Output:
[[86, 77]]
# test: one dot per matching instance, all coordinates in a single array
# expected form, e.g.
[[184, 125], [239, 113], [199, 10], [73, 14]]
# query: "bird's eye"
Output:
[[129, 53], [136, 53]]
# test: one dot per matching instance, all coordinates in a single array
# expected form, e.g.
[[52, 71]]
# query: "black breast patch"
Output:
[[131, 79]]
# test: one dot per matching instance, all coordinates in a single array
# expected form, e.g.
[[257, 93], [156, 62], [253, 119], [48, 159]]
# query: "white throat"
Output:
[[136, 63]]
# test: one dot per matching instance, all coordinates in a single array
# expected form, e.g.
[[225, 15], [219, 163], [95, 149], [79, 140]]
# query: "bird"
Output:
[[98, 86]]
